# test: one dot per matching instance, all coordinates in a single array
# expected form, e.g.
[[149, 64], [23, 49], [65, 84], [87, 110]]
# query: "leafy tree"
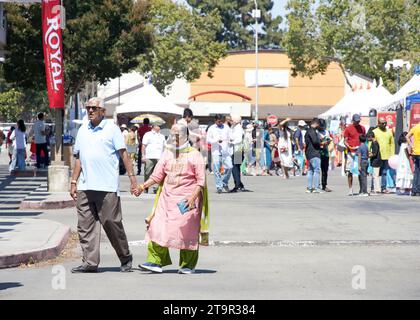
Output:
[[184, 44], [238, 23], [29, 101], [102, 40], [360, 35], [11, 106]]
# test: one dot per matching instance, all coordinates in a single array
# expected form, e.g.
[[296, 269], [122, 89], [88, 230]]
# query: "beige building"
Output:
[[282, 95]]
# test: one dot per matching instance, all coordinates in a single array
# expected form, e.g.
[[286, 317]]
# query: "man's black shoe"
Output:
[[243, 189], [234, 190], [84, 269], [126, 267]]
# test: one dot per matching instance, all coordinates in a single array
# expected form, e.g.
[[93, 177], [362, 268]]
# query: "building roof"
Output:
[[294, 112]]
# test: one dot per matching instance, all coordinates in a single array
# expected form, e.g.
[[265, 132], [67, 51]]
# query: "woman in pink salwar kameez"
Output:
[[181, 175]]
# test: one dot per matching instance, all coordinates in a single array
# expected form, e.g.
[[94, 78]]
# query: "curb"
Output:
[[29, 173], [47, 204], [51, 251]]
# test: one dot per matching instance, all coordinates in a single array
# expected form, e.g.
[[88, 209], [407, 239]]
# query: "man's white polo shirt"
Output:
[[98, 148], [154, 143]]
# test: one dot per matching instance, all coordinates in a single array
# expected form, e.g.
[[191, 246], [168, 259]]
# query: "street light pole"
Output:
[[256, 14], [398, 65]]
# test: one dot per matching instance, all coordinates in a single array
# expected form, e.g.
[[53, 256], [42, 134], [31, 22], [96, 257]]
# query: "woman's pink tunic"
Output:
[[169, 228]]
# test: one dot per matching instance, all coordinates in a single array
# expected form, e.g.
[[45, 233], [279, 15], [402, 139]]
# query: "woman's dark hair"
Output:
[[403, 138], [284, 127], [188, 113], [21, 125], [370, 134], [218, 117]]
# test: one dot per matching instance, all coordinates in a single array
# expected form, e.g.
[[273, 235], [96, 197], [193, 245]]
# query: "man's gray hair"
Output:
[[97, 101], [236, 118]]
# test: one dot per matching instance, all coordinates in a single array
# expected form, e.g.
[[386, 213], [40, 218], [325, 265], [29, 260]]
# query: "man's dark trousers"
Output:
[[96, 208], [139, 160], [41, 147], [416, 180], [325, 164], [236, 170]]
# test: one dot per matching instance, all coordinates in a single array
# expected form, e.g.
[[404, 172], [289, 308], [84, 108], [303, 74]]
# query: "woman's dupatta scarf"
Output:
[[205, 215]]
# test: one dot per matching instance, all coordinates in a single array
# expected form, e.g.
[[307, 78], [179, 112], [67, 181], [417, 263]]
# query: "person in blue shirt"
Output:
[[95, 186], [363, 154]]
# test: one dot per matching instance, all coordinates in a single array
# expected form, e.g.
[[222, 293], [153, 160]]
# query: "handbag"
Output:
[[341, 146]]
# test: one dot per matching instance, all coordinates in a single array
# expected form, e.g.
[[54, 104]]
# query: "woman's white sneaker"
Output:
[[151, 267], [186, 271]]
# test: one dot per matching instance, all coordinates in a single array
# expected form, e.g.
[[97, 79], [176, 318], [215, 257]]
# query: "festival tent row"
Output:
[[148, 99], [411, 88], [358, 101]]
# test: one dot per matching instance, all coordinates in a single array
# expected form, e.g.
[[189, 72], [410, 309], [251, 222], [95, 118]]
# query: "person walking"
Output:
[[19, 138], [131, 143], [299, 138], [152, 149], [352, 142], [181, 212], [375, 162], [312, 152], [285, 148], [146, 127], [40, 141], [325, 139], [95, 187], [415, 153], [237, 138], [363, 158], [404, 181], [218, 136], [385, 138]]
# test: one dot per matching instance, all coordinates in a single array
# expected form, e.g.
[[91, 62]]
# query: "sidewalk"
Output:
[[24, 240]]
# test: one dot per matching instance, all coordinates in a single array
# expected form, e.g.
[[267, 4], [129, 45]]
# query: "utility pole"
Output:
[[256, 14]]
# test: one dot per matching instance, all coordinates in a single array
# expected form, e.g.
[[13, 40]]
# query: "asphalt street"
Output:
[[276, 242]]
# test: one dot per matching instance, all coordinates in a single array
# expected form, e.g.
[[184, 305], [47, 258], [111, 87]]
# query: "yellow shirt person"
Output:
[[415, 133], [386, 142]]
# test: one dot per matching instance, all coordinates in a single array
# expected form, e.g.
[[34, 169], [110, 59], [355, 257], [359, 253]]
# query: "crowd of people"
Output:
[[176, 167], [232, 147], [17, 139]]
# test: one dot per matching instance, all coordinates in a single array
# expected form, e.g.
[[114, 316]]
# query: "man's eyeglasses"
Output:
[[93, 108]]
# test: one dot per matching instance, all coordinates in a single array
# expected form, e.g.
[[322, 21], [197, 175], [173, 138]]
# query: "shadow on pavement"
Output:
[[20, 214], [9, 223], [9, 285]]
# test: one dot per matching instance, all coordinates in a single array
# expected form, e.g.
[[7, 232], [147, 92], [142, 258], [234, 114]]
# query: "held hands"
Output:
[[134, 188]]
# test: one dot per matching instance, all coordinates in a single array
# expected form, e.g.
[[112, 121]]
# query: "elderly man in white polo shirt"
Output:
[[153, 144], [95, 187]]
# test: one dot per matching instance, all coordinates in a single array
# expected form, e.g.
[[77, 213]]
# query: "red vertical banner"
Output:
[[53, 52]]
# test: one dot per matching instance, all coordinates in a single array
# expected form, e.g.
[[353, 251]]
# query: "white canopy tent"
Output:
[[399, 98], [358, 102], [148, 99]]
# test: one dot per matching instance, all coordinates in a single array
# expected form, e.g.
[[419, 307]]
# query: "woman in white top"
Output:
[[18, 138], [285, 149]]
